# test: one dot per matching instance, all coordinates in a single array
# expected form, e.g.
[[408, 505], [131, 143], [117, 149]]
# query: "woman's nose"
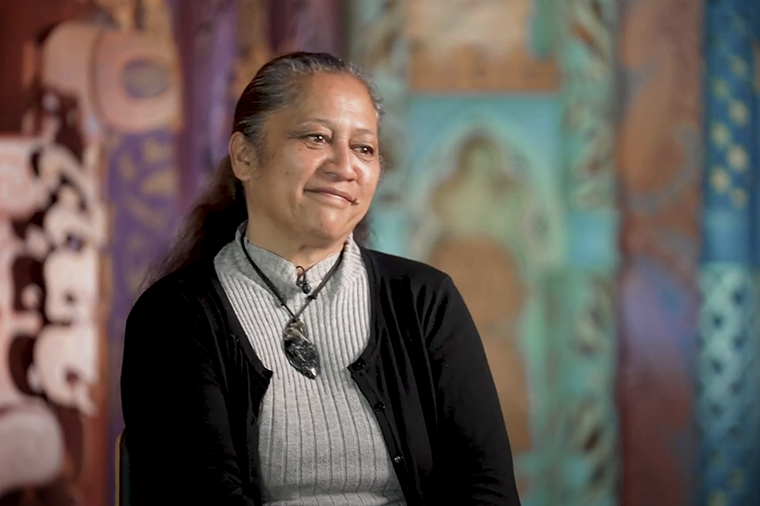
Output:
[[340, 163]]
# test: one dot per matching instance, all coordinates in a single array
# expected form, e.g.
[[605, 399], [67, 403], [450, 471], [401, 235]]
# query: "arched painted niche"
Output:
[[479, 201]]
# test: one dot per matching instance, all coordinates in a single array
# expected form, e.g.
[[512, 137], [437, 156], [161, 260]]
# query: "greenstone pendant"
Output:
[[301, 353]]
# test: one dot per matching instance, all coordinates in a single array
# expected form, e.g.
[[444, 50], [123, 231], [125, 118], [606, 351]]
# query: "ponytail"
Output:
[[211, 224]]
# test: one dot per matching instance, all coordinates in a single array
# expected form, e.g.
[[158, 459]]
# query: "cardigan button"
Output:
[[359, 365], [379, 407], [398, 459]]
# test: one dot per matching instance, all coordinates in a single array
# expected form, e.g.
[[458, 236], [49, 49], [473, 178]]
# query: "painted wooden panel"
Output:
[[727, 411], [480, 201], [479, 45], [659, 145]]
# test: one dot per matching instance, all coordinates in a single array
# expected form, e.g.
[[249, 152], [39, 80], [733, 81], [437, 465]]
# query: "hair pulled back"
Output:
[[214, 219]]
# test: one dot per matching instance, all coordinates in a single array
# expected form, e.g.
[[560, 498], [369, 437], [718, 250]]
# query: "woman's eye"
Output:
[[366, 150], [318, 138]]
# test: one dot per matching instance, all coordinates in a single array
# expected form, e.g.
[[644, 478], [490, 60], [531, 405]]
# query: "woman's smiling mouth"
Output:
[[332, 194]]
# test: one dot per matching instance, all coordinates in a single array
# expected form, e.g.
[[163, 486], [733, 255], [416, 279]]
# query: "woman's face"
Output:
[[320, 166]]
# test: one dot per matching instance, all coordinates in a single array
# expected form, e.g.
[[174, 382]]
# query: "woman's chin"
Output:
[[328, 233]]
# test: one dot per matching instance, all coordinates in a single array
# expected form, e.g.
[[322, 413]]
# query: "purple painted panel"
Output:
[[143, 195], [658, 148], [208, 47], [657, 321]]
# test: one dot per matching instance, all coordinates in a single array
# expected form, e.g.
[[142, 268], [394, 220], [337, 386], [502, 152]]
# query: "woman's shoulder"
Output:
[[416, 287], [182, 290], [394, 267]]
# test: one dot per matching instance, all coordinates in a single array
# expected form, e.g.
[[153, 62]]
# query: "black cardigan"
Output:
[[192, 387]]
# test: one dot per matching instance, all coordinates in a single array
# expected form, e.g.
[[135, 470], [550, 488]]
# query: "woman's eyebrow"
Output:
[[331, 125], [365, 131], [321, 121]]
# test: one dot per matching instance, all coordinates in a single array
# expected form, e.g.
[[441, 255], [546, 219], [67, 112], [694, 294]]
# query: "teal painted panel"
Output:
[[529, 121], [525, 126], [592, 239], [487, 169]]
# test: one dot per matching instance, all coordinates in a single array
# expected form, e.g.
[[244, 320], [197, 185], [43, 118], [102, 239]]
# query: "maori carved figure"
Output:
[[31, 440], [127, 82], [51, 224], [135, 74], [131, 78], [65, 355], [153, 16], [94, 82]]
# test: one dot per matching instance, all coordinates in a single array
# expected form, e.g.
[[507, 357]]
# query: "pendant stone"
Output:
[[301, 353]]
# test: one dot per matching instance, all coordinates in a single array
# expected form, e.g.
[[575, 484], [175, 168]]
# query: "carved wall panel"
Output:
[[474, 249], [52, 233], [124, 78], [22, 24], [482, 214]]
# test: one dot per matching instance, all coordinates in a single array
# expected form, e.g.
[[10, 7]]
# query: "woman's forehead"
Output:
[[326, 90]]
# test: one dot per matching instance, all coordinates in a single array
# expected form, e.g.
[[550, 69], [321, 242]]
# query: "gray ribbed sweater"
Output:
[[320, 443]]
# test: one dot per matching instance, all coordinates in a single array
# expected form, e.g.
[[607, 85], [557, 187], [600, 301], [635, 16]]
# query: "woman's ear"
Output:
[[242, 157]]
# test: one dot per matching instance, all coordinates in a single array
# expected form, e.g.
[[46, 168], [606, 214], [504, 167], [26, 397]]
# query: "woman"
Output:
[[279, 362]]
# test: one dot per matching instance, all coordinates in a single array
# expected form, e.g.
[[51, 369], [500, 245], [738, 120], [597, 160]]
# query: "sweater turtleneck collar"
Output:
[[283, 274]]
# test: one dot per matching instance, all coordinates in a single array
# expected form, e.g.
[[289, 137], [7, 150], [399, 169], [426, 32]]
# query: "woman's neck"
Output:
[[297, 252]]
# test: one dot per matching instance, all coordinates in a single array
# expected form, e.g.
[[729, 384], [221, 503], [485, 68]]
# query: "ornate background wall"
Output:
[[585, 170], [659, 157]]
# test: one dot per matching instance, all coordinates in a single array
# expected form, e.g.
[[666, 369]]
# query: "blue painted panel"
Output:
[[726, 236], [727, 370]]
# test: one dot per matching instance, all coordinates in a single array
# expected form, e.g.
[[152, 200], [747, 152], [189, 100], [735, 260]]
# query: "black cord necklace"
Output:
[[301, 353]]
